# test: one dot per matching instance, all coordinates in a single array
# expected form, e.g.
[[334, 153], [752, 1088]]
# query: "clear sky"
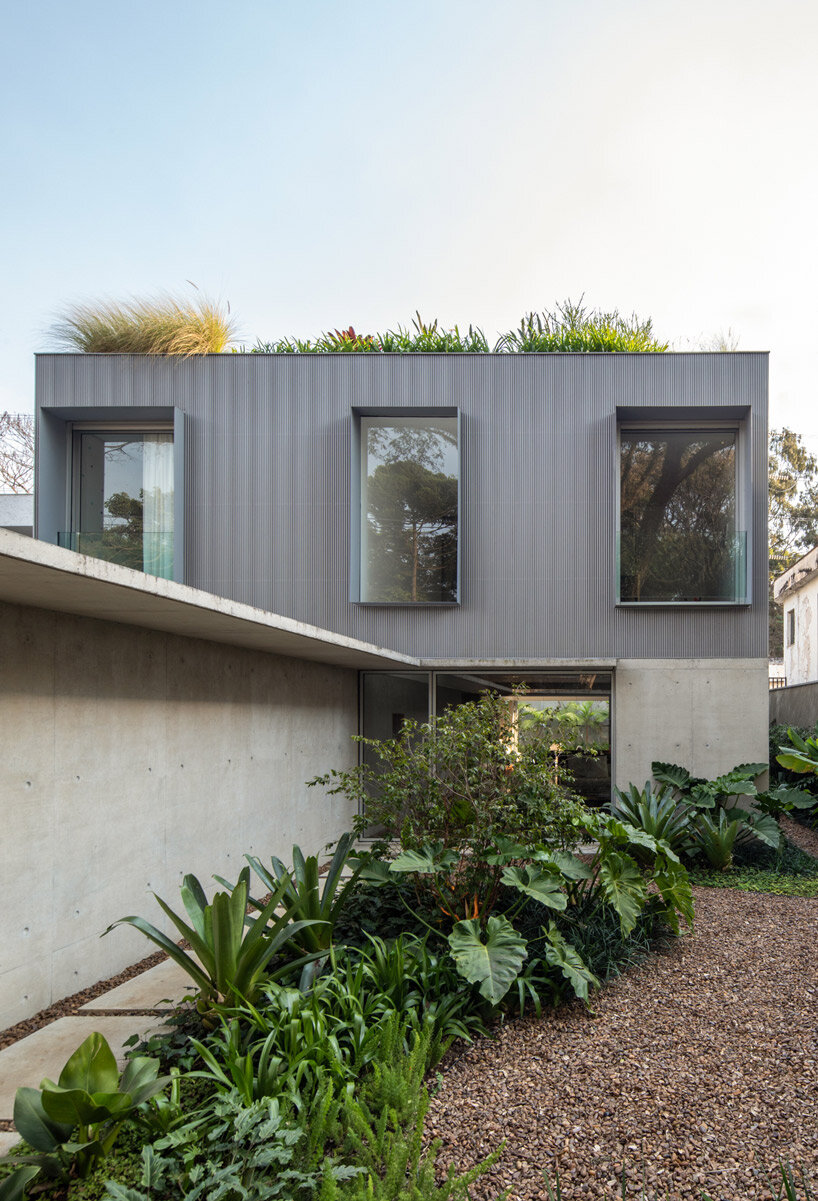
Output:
[[323, 164]]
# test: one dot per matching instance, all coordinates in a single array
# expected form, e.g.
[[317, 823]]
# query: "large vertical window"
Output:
[[409, 509], [678, 535], [122, 498]]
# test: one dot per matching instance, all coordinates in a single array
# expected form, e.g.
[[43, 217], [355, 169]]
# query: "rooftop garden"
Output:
[[170, 325]]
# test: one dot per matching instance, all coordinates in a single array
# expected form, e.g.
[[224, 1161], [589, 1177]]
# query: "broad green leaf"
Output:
[[505, 849], [671, 773], [797, 761], [751, 770], [76, 1106], [622, 887], [570, 866], [562, 955], [428, 861], [33, 1123], [92, 1068], [495, 963], [374, 871], [765, 828], [543, 886], [674, 885], [13, 1187]]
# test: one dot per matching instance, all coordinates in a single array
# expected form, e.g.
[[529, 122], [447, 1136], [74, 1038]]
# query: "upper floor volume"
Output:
[[455, 507]]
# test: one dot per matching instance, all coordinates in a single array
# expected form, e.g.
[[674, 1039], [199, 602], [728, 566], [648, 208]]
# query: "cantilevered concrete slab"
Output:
[[51, 577]]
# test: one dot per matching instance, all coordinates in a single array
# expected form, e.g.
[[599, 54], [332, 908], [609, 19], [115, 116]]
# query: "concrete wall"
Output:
[[130, 757], [17, 512], [705, 714], [801, 658], [795, 705]]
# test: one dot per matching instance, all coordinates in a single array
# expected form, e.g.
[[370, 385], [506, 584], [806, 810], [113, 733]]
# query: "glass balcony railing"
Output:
[[680, 568], [149, 552]]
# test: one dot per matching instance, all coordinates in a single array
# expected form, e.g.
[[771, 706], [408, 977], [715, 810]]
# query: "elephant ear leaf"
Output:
[[543, 886], [428, 861], [623, 888], [671, 773], [494, 962], [560, 954]]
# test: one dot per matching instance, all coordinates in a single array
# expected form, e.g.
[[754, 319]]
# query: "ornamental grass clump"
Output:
[[160, 325]]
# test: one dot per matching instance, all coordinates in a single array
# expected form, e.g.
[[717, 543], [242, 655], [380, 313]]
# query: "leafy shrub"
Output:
[[463, 781], [166, 325]]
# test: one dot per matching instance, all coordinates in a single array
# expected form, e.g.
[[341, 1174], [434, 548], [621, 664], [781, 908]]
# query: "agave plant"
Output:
[[233, 951]]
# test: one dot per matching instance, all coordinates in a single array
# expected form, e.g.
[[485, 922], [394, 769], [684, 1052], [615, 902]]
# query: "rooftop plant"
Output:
[[570, 327], [163, 324]]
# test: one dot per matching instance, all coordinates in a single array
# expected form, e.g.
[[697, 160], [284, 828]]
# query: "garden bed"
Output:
[[696, 1071]]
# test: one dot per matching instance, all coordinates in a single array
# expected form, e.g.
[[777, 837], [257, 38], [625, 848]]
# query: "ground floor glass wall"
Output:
[[571, 708]]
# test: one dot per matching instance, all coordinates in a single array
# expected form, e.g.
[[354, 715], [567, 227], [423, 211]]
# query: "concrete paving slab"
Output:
[[161, 987], [8, 1139], [45, 1052]]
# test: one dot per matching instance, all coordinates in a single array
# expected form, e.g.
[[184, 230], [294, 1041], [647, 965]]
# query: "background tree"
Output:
[[793, 521], [16, 452]]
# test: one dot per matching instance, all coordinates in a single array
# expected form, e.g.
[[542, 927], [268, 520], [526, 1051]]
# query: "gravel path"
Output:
[[698, 1070]]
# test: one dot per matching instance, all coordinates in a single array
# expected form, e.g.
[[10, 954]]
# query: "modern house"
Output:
[[280, 551]]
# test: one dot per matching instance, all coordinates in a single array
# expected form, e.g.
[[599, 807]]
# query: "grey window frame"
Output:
[[656, 421], [355, 565]]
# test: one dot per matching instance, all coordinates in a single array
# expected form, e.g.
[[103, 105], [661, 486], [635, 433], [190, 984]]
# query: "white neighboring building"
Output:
[[17, 512], [796, 590]]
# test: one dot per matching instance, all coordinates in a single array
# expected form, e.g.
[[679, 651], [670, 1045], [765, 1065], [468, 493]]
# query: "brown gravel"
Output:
[[69, 1005], [800, 836], [696, 1071]]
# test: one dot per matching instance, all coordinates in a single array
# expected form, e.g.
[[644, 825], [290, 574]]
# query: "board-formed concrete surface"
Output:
[[161, 987]]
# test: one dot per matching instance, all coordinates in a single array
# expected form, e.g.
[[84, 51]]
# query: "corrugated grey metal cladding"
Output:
[[267, 489]]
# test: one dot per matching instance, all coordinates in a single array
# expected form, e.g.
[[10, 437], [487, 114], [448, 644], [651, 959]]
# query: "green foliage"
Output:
[[573, 328], [800, 754], [716, 823], [304, 896], [73, 1124], [492, 959], [231, 961], [463, 784], [166, 325], [785, 870], [656, 813], [384, 1133], [716, 839], [570, 328]]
